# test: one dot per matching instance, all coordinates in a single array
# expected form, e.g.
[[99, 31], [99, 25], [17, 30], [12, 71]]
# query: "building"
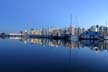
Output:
[[35, 32]]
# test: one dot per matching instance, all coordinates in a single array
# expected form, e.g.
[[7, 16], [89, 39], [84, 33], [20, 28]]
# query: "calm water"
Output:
[[43, 55]]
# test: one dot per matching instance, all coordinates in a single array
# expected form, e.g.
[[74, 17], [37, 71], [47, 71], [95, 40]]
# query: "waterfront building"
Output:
[[101, 30], [44, 32], [35, 32], [93, 28], [79, 30]]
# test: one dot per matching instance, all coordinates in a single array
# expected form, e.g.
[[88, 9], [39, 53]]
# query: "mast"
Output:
[[106, 28], [71, 20], [106, 23]]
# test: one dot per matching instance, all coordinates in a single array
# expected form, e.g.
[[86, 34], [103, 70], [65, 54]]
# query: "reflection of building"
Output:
[[35, 41], [94, 45]]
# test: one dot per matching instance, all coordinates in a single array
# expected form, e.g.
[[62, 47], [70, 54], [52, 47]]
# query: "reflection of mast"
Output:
[[105, 54], [70, 56], [70, 48]]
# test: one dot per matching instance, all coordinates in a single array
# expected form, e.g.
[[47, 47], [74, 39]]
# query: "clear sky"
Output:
[[18, 15]]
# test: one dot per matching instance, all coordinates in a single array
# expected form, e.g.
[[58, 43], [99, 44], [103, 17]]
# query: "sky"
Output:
[[16, 15]]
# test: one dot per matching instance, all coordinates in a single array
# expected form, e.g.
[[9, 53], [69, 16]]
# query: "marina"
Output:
[[53, 36]]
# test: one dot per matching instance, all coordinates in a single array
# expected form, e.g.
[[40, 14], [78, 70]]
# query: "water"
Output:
[[44, 55]]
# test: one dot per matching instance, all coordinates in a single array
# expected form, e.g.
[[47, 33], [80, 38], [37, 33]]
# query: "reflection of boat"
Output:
[[35, 36], [90, 43], [4, 35]]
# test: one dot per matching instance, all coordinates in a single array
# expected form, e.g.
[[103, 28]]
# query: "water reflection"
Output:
[[20, 57], [95, 45]]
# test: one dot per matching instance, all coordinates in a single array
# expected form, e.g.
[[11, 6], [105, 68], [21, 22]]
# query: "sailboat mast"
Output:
[[106, 23], [71, 20]]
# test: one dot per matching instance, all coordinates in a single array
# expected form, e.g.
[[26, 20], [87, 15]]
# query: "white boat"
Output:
[[106, 37], [74, 38]]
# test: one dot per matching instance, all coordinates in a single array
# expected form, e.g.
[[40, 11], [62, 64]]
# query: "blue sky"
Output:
[[18, 15]]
